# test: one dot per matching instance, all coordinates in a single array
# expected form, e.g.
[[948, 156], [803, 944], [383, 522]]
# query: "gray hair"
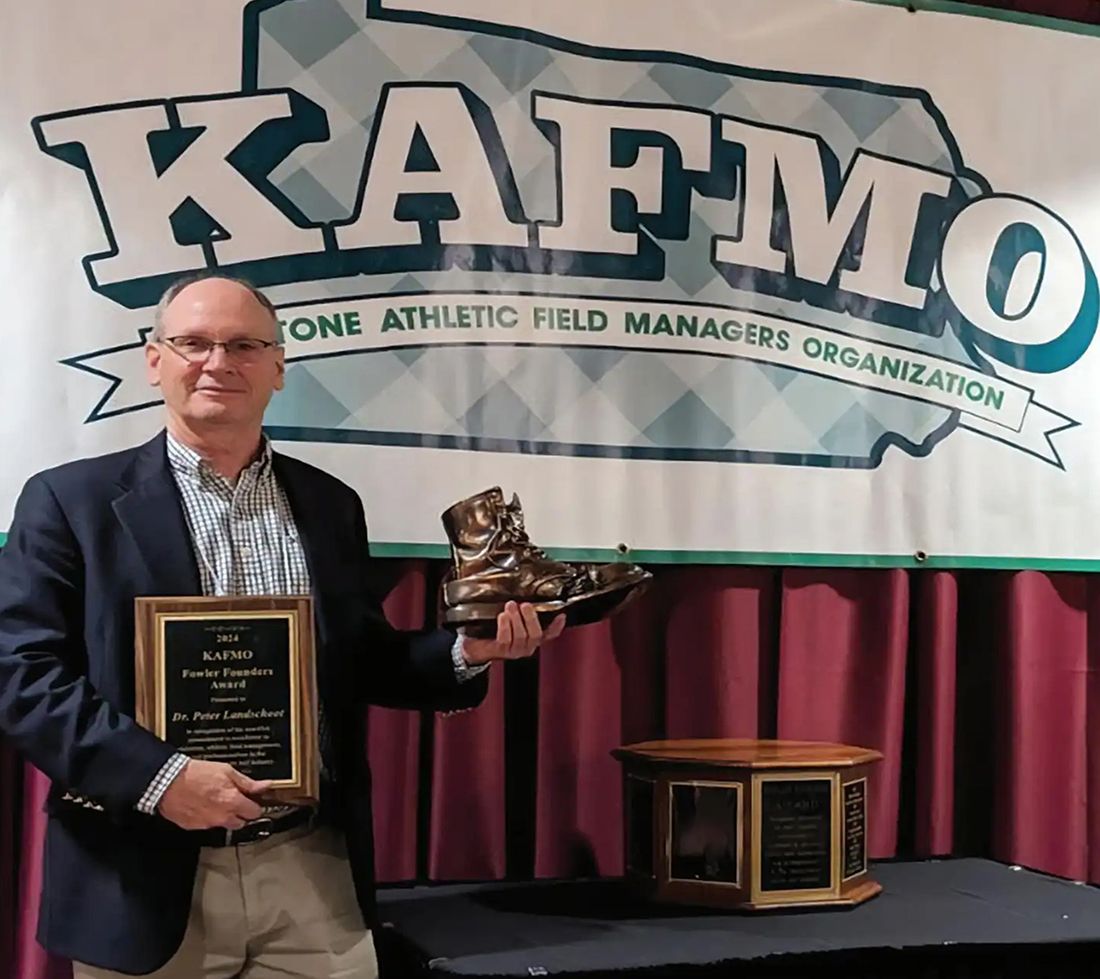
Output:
[[190, 279]]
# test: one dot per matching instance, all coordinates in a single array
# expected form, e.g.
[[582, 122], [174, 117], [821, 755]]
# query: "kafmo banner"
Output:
[[714, 280]]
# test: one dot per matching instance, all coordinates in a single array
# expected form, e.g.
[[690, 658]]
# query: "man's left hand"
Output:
[[519, 634]]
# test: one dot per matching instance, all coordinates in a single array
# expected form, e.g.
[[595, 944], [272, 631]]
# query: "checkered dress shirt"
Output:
[[245, 543]]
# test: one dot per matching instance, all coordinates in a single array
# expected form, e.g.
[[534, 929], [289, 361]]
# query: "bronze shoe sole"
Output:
[[479, 618]]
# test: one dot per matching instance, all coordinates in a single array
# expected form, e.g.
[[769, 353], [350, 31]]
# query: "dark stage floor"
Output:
[[957, 917]]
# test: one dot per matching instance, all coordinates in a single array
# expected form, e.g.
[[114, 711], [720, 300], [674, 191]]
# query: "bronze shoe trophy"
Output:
[[494, 562]]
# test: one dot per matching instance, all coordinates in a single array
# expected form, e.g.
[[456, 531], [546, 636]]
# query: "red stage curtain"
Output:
[[976, 686]]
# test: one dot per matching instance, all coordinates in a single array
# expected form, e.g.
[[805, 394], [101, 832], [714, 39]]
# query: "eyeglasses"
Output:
[[241, 349]]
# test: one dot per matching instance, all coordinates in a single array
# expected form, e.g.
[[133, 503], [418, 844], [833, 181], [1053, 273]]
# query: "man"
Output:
[[156, 864]]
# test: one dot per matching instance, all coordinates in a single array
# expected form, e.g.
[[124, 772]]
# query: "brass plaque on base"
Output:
[[748, 824], [233, 679]]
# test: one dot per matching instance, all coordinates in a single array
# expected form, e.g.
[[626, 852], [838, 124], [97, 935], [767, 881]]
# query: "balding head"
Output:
[[213, 290]]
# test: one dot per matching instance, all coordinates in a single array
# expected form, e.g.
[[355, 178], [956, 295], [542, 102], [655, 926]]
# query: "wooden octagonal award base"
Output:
[[758, 825]]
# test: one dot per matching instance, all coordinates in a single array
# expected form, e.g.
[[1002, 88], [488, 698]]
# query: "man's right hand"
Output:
[[210, 794]]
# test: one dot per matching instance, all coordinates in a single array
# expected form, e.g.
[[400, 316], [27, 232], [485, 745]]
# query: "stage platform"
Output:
[[972, 918]]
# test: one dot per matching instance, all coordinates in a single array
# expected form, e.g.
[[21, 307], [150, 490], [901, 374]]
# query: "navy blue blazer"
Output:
[[88, 537]]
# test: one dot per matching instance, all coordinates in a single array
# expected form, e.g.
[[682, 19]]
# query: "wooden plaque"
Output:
[[748, 824], [233, 679]]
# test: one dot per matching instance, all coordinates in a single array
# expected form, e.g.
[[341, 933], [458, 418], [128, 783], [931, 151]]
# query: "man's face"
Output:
[[219, 386]]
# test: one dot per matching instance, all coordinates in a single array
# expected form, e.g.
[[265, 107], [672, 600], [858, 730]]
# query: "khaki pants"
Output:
[[281, 908]]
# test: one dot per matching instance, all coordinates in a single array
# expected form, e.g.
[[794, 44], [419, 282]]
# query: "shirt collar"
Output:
[[186, 461]]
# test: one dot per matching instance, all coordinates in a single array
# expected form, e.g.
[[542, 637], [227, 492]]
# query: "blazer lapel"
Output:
[[319, 534], [150, 511]]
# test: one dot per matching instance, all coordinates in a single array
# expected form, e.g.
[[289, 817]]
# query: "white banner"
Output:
[[722, 280]]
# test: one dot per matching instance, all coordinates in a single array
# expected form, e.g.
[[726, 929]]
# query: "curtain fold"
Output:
[[30, 960], [936, 602], [11, 844], [467, 819], [393, 747], [842, 657], [721, 681], [578, 811], [1042, 689]]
